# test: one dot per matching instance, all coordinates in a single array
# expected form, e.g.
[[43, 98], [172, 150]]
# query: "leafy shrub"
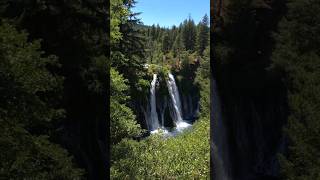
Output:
[[123, 123], [185, 156]]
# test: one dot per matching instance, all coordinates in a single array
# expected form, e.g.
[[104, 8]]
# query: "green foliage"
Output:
[[28, 95], [297, 58], [189, 34], [158, 69], [178, 45], [118, 86], [166, 43], [32, 157], [118, 15], [185, 156], [143, 86], [157, 53], [203, 35], [123, 123], [175, 40], [74, 31], [203, 79], [24, 76], [128, 55]]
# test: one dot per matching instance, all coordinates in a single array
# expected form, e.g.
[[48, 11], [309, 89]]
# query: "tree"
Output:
[[203, 35], [118, 16], [165, 43], [28, 111], [153, 32], [129, 56], [75, 32], [123, 123], [178, 45], [203, 79], [189, 34]]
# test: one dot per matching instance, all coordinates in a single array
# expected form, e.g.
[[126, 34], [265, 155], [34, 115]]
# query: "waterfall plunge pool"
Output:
[[180, 127]]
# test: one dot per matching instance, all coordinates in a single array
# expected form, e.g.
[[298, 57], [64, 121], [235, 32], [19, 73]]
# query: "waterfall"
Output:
[[220, 149], [175, 97], [176, 103], [153, 120]]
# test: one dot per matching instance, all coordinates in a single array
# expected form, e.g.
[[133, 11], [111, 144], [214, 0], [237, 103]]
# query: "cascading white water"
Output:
[[175, 109], [153, 122], [219, 148], [175, 97], [176, 103]]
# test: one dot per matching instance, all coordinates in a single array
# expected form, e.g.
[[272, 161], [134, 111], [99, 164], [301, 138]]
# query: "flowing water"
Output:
[[175, 98], [153, 122], [175, 109]]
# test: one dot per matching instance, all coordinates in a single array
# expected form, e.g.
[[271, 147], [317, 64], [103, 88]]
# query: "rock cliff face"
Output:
[[253, 99]]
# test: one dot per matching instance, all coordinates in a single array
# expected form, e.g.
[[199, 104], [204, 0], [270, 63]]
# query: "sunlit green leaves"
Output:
[[119, 14], [185, 156]]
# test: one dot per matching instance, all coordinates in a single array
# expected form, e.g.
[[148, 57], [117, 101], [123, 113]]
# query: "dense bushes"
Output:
[[185, 156], [123, 123]]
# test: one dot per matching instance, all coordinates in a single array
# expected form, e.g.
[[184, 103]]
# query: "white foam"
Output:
[[182, 125]]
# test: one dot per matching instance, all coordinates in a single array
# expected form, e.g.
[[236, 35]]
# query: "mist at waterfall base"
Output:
[[157, 125]]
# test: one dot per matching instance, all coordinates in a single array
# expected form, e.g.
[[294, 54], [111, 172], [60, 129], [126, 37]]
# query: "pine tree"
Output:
[[158, 32], [118, 16], [166, 43], [153, 32], [189, 34], [129, 56], [178, 45], [132, 42], [203, 35], [28, 111]]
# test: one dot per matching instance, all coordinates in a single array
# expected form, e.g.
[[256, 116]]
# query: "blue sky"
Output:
[[171, 12]]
